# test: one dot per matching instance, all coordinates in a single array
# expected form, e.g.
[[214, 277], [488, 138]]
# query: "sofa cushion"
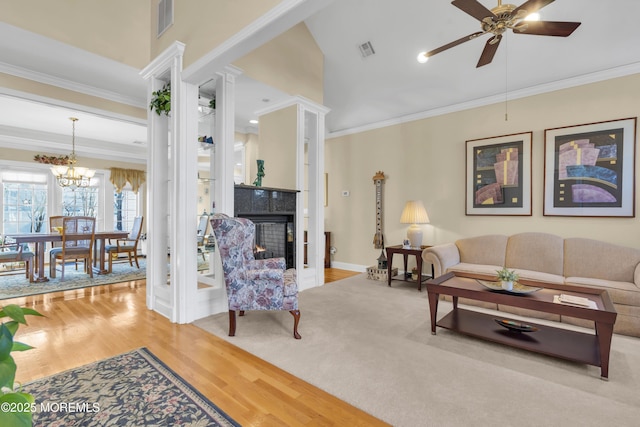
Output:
[[475, 268], [540, 277], [489, 249], [599, 260], [620, 292], [541, 252]]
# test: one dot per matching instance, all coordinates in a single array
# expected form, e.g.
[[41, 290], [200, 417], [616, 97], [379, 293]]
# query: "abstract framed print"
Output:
[[589, 170], [498, 175]]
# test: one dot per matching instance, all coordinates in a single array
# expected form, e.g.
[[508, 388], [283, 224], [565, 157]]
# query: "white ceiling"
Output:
[[392, 84], [361, 92]]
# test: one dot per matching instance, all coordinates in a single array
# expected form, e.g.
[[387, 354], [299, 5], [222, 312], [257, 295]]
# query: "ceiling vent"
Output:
[[366, 49], [165, 15]]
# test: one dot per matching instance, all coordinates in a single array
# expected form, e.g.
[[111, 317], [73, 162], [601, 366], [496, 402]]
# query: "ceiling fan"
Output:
[[501, 18]]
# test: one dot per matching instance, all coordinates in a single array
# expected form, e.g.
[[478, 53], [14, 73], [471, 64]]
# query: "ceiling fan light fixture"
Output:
[[422, 57], [503, 17], [532, 17]]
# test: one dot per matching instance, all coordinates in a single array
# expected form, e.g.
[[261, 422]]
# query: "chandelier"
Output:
[[69, 175]]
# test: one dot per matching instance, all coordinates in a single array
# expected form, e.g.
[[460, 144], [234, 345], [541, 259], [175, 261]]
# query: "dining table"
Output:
[[41, 239]]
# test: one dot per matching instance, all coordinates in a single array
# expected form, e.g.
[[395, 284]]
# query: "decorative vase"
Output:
[[507, 286], [258, 180]]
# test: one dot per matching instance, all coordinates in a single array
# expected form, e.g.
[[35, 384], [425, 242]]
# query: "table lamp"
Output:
[[414, 213]]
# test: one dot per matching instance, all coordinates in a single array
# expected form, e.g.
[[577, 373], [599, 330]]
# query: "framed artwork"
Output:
[[589, 170], [498, 175]]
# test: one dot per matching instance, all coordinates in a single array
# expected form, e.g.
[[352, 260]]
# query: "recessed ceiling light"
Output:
[[253, 122], [422, 57]]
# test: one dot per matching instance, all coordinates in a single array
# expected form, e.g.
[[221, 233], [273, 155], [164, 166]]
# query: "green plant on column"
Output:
[[161, 100], [15, 406], [258, 180]]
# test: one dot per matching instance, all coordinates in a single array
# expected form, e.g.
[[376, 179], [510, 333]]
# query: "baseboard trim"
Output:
[[350, 267]]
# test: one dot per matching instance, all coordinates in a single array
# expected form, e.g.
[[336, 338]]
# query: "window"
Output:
[[24, 207], [125, 209], [82, 201]]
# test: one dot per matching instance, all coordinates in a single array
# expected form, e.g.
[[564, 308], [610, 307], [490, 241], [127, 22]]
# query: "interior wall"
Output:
[[291, 62], [250, 157], [425, 160], [278, 148], [204, 24], [116, 29]]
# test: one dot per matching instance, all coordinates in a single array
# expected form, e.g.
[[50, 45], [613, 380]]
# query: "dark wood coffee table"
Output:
[[592, 349]]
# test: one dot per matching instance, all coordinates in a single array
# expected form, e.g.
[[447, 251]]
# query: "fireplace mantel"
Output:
[[250, 200]]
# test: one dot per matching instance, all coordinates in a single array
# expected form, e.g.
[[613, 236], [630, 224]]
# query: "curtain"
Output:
[[120, 177]]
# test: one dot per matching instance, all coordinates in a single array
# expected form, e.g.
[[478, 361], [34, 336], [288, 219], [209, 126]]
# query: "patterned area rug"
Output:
[[16, 285], [132, 389]]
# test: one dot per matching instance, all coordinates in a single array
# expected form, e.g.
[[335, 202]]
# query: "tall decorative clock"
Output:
[[378, 238]]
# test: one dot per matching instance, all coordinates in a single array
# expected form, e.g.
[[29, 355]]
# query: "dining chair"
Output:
[[128, 245], [55, 226], [203, 226], [78, 235], [17, 253], [263, 284]]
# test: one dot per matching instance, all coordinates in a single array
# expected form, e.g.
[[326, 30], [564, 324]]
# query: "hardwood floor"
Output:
[[333, 274], [87, 325]]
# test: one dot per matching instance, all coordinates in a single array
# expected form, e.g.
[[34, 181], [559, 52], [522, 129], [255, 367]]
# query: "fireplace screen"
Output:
[[275, 240]]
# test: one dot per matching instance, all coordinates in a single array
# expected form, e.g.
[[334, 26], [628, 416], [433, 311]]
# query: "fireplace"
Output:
[[274, 237], [272, 211]]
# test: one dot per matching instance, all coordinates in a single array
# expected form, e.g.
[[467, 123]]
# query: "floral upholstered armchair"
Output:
[[252, 284]]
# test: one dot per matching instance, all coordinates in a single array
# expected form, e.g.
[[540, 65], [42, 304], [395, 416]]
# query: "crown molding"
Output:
[[70, 85], [32, 140], [625, 70], [162, 62], [294, 100], [54, 102]]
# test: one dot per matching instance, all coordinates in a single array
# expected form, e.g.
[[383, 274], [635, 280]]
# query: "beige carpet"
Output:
[[371, 346]]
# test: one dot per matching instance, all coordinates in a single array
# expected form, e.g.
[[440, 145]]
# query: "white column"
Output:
[[161, 178], [225, 140], [184, 157], [311, 132], [158, 297]]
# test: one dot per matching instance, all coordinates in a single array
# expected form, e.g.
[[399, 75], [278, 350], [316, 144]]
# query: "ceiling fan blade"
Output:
[[453, 43], [548, 28], [489, 51], [473, 8], [531, 6]]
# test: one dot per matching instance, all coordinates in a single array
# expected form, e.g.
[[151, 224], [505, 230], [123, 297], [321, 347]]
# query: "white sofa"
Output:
[[551, 258]]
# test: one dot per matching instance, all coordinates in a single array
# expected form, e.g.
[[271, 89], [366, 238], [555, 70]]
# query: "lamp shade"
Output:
[[414, 213]]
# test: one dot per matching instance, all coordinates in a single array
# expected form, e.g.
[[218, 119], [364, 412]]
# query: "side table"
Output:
[[398, 249]]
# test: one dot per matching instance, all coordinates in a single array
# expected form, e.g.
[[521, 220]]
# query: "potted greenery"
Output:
[[161, 100], [11, 397], [507, 277]]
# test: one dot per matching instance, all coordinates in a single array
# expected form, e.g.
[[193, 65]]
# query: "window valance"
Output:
[[120, 177]]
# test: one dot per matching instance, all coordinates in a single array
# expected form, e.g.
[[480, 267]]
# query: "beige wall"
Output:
[[425, 160], [116, 29], [54, 92], [250, 157], [204, 24], [277, 147], [291, 62]]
